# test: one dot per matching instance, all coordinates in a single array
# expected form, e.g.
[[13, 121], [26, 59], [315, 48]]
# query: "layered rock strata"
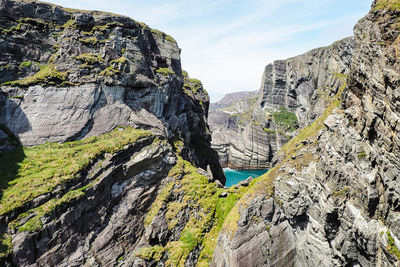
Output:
[[77, 186], [247, 135], [70, 74], [332, 200]]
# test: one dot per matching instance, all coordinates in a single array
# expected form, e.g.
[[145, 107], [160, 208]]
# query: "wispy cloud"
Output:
[[227, 43]]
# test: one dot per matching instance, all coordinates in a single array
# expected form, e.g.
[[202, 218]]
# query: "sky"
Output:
[[227, 43]]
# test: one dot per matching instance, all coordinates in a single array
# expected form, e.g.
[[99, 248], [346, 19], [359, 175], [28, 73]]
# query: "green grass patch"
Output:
[[109, 71], [223, 208], [5, 245], [121, 60], [247, 115], [43, 167], [207, 213], [70, 24], [361, 155], [150, 253], [17, 97], [387, 4], [103, 28], [5, 67], [285, 119], [25, 64], [188, 239], [391, 247], [35, 222], [163, 35], [91, 58], [192, 84], [341, 193], [47, 75], [199, 196], [89, 41], [165, 71], [341, 76], [24, 21], [268, 130]]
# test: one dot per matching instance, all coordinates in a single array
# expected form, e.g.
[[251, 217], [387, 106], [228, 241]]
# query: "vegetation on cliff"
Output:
[[47, 75], [285, 119], [46, 166], [190, 191], [265, 183], [387, 4]]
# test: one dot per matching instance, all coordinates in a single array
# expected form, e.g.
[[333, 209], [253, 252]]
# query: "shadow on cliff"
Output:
[[11, 150], [9, 166]]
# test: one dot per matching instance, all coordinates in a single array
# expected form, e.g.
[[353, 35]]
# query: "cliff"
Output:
[[97, 118], [293, 93], [332, 199], [106, 161]]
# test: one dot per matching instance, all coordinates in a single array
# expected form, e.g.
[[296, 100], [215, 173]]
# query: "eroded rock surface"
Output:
[[246, 134], [68, 75], [335, 203]]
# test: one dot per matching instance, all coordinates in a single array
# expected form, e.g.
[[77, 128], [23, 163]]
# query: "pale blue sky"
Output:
[[227, 43]]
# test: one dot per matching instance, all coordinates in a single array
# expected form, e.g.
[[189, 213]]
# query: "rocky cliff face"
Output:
[[107, 119], [126, 181], [68, 75], [332, 200], [304, 83], [248, 134], [238, 137]]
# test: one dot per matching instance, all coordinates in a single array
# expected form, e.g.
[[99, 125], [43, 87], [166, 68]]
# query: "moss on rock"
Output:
[[387, 4], [91, 58], [165, 71], [47, 75]]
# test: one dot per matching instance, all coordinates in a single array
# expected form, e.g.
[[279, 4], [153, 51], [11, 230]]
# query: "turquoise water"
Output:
[[235, 176]]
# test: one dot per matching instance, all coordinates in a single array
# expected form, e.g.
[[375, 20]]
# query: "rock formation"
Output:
[[332, 199], [107, 119], [105, 155], [246, 134], [70, 75]]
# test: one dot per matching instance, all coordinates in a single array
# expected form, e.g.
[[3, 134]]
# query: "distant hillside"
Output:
[[232, 98]]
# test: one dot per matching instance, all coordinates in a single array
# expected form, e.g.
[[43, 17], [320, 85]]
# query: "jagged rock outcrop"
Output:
[[246, 134], [332, 200], [107, 119]]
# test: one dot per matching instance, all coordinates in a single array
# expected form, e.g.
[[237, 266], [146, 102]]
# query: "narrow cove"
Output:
[[235, 176]]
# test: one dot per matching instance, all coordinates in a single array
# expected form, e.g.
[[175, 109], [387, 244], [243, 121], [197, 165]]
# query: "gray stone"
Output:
[[223, 194], [219, 184], [331, 122]]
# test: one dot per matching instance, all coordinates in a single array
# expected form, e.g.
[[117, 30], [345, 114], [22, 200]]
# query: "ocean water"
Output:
[[235, 176]]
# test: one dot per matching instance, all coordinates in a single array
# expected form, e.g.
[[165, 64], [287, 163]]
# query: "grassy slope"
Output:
[[207, 214], [43, 167]]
